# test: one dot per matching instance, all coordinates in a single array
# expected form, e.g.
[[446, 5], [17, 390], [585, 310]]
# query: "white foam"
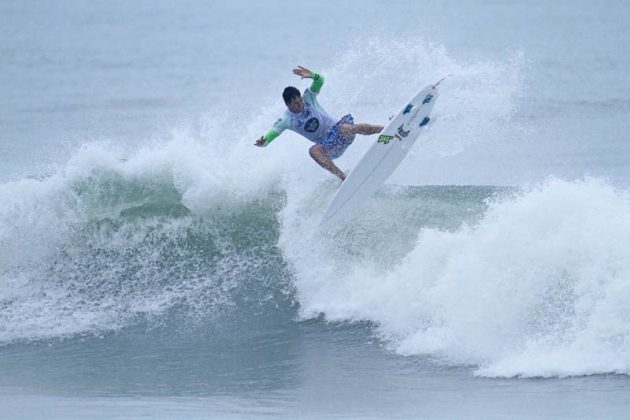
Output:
[[40, 217], [538, 288]]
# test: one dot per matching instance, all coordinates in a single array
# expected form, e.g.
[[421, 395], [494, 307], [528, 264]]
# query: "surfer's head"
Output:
[[293, 99]]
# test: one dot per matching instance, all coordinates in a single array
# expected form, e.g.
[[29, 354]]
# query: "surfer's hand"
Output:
[[260, 142], [302, 72]]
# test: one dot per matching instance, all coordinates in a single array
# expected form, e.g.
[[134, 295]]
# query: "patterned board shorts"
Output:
[[336, 143]]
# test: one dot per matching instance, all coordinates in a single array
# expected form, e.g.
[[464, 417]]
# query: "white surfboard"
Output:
[[384, 156]]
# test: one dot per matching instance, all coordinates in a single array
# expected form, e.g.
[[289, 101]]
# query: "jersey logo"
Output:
[[311, 125]]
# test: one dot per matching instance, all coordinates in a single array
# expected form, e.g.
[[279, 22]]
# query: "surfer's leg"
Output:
[[350, 130], [318, 153]]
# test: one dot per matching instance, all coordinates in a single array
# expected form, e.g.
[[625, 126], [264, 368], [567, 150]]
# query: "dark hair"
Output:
[[289, 94]]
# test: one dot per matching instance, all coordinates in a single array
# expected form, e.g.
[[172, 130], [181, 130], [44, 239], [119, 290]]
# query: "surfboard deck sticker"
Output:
[[384, 156]]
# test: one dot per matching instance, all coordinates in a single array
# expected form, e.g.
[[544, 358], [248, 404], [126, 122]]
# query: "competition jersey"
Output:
[[313, 123]]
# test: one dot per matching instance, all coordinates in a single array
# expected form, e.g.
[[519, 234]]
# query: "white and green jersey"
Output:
[[314, 123]]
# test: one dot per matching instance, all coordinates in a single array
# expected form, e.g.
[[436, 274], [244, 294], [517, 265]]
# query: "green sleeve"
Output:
[[318, 82], [270, 136]]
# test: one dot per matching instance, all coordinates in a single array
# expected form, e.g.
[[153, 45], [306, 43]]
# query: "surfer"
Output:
[[306, 117]]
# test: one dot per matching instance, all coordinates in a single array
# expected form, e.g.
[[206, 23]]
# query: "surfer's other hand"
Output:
[[302, 72], [260, 142]]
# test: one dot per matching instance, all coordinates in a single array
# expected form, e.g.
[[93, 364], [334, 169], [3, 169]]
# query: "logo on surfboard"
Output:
[[402, 132], [384, 139]]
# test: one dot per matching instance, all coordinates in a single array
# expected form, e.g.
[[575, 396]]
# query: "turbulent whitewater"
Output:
[[515, 281]]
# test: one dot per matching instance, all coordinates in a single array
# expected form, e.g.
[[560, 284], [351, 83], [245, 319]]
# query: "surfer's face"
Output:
[[296, 105]]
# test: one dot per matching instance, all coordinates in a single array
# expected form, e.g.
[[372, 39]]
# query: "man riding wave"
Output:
[[306, 117]]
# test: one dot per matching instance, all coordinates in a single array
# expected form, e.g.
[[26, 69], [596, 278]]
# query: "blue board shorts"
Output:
[[335, 142]]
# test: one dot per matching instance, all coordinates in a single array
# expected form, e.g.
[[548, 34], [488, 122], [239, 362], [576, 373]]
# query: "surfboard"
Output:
[[384, 156]]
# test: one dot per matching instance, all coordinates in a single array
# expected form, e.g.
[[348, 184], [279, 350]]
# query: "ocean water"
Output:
[[153, 263]]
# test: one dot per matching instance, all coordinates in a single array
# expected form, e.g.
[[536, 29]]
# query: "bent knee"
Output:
[[316, 150], [349, 130]]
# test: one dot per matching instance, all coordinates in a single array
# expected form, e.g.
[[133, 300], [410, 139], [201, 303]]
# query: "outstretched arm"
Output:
[[304, 73], [267, 138], [279, 126]]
